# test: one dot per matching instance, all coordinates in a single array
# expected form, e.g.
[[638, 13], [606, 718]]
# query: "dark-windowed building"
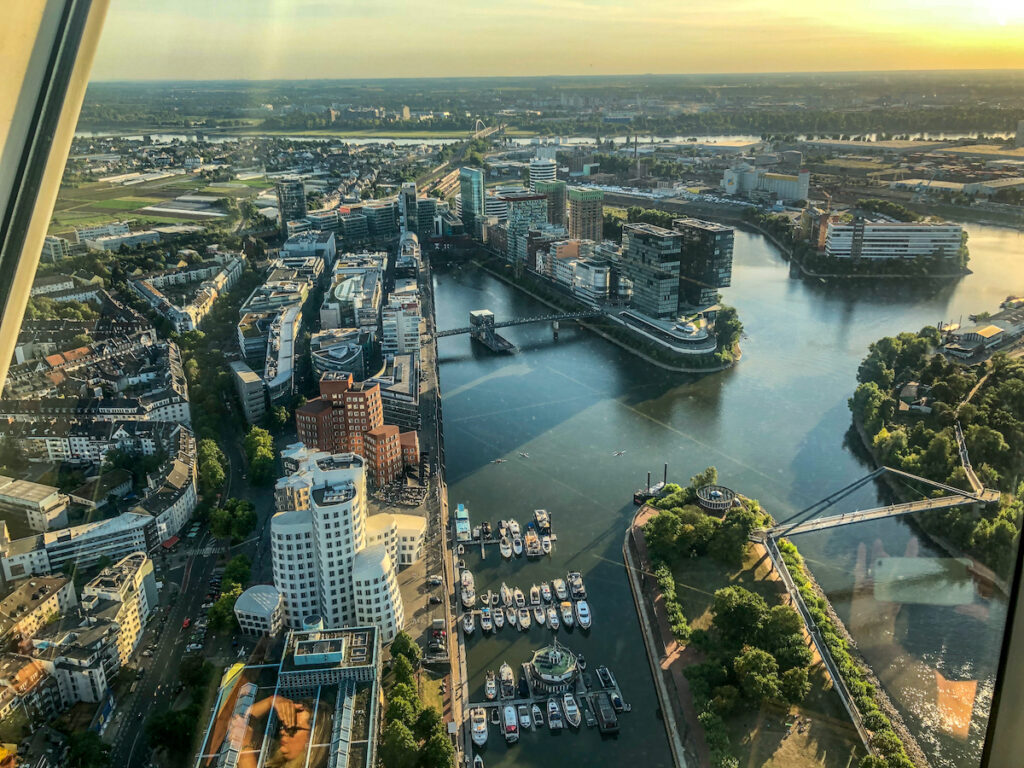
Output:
[[650, 260], [706, 265]]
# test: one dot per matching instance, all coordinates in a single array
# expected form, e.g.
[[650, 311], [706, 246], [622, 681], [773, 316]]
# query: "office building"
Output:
[[323, 564], [40, 507], [400, 391], [381, 219], [55, 249], [251, 391], [400, 327], [495, 206], [706, 265], [337, 420], [82, 234], [526, 211], [758, 183], [542, 170], [650, 261], [471, 187], [586, 214], [318, 245], [260, 610], [407, 207], [426, 210], [291, 200], [555, 192], [862, 239], [342, 349]]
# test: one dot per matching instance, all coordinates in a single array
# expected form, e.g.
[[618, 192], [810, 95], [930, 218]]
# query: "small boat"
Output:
[[502, 528], [543, 520], [508, 681], [604, 676], [576, 588], [554, 716], [485, 530], [559, 586], [538, 717], [468, 623], [534, 595], [525, 721], [468, 591], [538, 615], [478, 719], [461, 563], [545, 544], [486, 624], [511, 725], [606, 719], [496, 716], [583, 614], [567, 617], [616, 700], [517, 546], [476, 532], [506, 594], [466, 579], [524, 454], [486, 599], [545, 592], [581, 662], [506, 547], [494, 598], [491, 686], [518, 598], [524, 618], [532, 543], [510, 614], [552, 617], [572, 710], [499, 618], [478, 762], [588, 713], [513, 528], [461, 549]]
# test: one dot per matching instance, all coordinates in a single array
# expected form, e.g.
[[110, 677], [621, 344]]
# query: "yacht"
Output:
[[468, 623], [508, 681], [491, 686], [486, 624], [513, 528], [478, 718], [583, 614], [468, 590], [552, 617], [525, 721], [510, 725], [538, 717], [576, 588], [517, 545], [543, 520], [499, 618], [510, 614], [572, 711], [506, 594], [506, 547], [518, 598], [559, 586], [524, 618], [554, 716], [538, 615], [534, 595], [545, 545], [567, 617], [545, 592], [532, 543]]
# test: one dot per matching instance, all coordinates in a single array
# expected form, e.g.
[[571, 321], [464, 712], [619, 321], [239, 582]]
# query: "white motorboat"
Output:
[[545, 592], [538, 615], [534, 595], [525, 721], [494, 598], [491, 686], [552, 617], [524, 618], [513, 528], [506, 547], [532, 543], [478, 762], [486, 599], [507, 680], [545, 544], [499, 618], [486, 623], [467, 580], [572, 710], [517, 546], [554, 716], [576, 588], [543, 520], [478, 719], [468, 623], [506, 594], [510, 614], [518, 598], [510, 724], [583, 617], [538, 717], [468, 590], [560, 591], [567, 618]]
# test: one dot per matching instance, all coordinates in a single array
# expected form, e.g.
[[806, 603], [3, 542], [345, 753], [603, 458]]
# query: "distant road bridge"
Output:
[[522, 321]]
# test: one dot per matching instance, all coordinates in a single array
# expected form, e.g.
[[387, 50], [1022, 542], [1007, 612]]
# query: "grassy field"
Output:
[[430, 689], [816, 734], [127, 203]]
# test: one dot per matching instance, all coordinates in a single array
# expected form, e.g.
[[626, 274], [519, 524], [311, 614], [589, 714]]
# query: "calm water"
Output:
[[775, 427]]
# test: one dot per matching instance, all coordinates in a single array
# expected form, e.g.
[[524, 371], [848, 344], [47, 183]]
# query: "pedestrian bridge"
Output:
[[476, 316]]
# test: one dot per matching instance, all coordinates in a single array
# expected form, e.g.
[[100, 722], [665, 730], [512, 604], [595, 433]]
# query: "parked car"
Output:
[[434, 581], [435, 600]]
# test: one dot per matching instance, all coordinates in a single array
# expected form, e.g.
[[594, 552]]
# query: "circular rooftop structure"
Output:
[[553, 668], [715, 498]]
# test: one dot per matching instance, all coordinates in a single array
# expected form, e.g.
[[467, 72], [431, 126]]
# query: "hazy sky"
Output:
[[266, 39]]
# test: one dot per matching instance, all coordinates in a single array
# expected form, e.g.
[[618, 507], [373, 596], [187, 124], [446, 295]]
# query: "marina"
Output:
[[536, 539], [510, 605]]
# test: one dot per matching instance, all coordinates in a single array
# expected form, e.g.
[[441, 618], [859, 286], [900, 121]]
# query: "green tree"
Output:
[[404, 645], [398, 748], [402, 669], [222, 613], [402, 711], [758, 674], [438, 752], [738, 614], [795, 685], [428, 722], [87, 750], [238, 570]]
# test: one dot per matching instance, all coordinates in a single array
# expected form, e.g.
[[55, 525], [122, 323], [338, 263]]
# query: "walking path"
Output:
[[667, 657]]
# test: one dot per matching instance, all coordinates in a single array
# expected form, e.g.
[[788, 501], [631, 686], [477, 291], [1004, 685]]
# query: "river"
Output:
[[775, 426]]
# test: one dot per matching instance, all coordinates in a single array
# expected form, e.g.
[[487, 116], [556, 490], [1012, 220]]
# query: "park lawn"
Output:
[[261, 183], [237, 192], [759, 737], [430, 689], [127, 203], [841, 162]]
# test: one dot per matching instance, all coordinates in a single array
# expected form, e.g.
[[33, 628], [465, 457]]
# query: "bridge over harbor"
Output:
[[477, 318]]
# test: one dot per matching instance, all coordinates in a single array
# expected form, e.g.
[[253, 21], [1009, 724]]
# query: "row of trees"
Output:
[[925, 444], [212, 466], [175, 729], [236, 577], [259, 453], [235, 520], [414, 735]]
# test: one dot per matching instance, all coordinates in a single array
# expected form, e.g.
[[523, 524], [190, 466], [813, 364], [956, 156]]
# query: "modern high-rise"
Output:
[[650, 260], [291, 200], [525, 211], [542, 170], [400, 327], [407, 207], [471, 187], [586, 214], [707, 260], [554, 191], [426, 209], [862, 239], [330, 559]]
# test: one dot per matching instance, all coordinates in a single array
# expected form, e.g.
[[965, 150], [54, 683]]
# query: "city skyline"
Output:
[[309, 39]]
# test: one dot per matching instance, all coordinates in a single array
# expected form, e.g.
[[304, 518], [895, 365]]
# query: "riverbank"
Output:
[[736, 352]]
